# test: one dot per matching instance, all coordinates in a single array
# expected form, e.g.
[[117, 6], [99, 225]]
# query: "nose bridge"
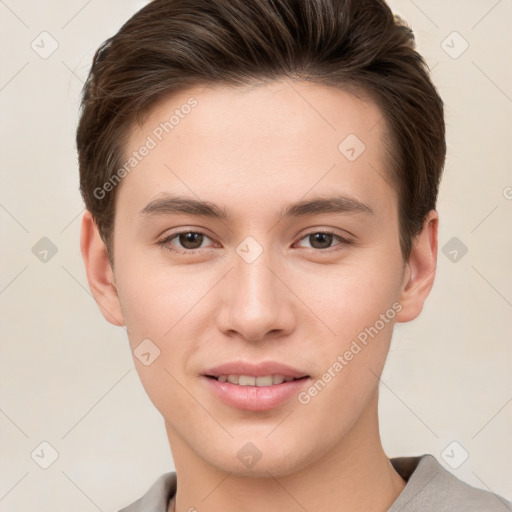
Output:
[[255, 283], [256, 300]]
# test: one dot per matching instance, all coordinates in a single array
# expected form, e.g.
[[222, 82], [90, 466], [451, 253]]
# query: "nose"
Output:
[[256, 301]]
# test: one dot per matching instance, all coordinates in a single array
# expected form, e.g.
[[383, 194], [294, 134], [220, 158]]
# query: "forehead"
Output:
[[238, 144]]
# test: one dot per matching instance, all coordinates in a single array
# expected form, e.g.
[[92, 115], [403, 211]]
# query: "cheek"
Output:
[[359, 305], [157, 306], [352, 359], [350, 297], [155, 298]]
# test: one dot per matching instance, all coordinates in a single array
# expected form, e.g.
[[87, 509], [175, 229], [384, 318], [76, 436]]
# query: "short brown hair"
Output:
[[171, 45]]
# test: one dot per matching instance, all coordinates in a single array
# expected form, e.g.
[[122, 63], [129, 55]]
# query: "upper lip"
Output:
[[255, 369]]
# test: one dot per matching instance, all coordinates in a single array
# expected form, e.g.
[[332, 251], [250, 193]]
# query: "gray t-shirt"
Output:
[[430, 488]]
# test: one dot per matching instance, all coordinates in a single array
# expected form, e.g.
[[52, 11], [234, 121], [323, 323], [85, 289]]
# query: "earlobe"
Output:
[[420, 270], [99, 272]]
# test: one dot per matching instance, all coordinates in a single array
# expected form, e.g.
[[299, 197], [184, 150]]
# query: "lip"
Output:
[[255, 369], [255, 398]]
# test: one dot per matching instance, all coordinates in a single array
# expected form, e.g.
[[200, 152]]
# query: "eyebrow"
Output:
[[169, 205]]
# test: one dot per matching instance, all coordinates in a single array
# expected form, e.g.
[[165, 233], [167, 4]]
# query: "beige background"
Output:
[[67, 377]]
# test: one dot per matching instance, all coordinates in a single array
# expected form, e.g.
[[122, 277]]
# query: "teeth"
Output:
[[248, 380], [245, 380], [266, 380]]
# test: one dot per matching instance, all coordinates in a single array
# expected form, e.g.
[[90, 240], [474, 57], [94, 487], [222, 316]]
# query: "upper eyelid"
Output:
[[170, 236]]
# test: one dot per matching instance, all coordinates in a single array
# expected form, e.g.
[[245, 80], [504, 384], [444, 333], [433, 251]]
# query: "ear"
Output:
[[99, 272], [420, 270]]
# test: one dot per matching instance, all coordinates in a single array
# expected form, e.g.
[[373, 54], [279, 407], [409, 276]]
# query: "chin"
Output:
[[259, 459]]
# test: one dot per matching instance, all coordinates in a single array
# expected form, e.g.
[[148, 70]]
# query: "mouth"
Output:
[[256, 393], [255, 386], [257, 381]]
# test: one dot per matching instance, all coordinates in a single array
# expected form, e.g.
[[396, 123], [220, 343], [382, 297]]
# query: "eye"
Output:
[[188, 241], [322, 240]]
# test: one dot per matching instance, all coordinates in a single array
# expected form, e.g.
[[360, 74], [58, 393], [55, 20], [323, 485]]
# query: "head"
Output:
[[256, 108]]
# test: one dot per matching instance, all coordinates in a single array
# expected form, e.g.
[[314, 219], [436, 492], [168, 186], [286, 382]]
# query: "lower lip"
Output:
[[256, 398]]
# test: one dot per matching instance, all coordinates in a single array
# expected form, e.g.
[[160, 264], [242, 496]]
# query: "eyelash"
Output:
[[165, 242]]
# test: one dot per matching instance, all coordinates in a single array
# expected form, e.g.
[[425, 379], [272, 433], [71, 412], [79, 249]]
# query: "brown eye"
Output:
[[323, 241], [190, 240], [184, 241], [320, 240]]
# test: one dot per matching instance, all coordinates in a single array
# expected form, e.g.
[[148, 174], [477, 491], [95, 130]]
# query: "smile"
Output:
[[249, 380]]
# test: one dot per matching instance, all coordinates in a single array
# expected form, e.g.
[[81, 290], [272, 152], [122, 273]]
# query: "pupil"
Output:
[[190, 240], [325, 240]]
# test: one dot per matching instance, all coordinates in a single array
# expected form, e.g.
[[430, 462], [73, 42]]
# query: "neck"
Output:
[[355, 474]]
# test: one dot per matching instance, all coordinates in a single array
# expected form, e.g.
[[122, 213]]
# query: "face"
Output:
[[316, 287]]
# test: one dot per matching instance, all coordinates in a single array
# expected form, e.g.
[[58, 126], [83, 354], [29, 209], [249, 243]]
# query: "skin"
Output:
[[252, 151]]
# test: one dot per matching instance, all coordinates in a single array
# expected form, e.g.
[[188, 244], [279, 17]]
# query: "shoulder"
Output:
[[431, 487], [157, 497]]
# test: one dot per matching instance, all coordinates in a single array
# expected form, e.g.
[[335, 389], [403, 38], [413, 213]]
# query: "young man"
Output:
[[261, 182]]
